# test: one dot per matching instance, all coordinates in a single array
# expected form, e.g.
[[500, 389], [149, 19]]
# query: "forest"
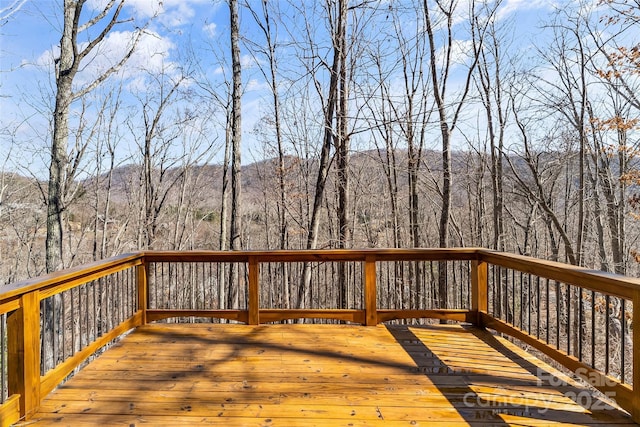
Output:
[[321, 124]]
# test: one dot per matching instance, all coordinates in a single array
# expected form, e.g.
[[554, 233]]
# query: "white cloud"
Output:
[[46, 58], [512, 6], [177, 16], [248, 61], [210, 30], [142, 8], [461, 52], [150, 55], [257, 85], [171, 13]]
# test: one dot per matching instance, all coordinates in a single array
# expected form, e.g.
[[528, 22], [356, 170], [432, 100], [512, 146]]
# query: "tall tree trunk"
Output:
[[445, 132], [439, 79], [491, 85], [323, 167], [224, 196], [65, 73], [342, 155], [283, 226], [236, 164], [60, 172]]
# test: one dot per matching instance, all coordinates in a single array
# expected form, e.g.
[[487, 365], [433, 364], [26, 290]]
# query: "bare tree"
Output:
[[491, 84], [73, 53], [449, 111], [7, 11], [269, 31], [330, 106], [623, 61], [236, 137]]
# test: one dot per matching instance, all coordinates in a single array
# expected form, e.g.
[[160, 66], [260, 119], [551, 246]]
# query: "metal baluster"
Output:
[[170, 302], [623, 342], [63, 328], [593, 329], [494, 291], [55, 339], [152, 285], [580, 322], [606, 334], [529, 303], [203, 302], [521, 300], [568, 291], [548, 326], [538, 307], [213, 290], [72, 294], [468, 285], [3, 358], [513, 298], [557, 315]]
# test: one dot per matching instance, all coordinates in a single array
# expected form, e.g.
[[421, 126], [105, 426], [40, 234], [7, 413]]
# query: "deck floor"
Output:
[[306, 375]]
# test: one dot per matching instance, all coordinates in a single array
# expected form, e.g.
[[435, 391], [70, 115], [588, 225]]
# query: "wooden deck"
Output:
[[305, 375]]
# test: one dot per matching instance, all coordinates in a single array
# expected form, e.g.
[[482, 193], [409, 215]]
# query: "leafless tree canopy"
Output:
[[380, 124]]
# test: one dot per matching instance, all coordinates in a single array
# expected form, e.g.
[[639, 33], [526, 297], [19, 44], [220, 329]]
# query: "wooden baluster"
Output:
[[370, 291], [254, 291], [479, 294], [23, 342]]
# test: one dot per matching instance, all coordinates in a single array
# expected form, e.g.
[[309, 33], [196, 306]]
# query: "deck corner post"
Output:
[[635, 413], [370, 291], [23, 342], [253, 305], [479, 293], [142, 277]]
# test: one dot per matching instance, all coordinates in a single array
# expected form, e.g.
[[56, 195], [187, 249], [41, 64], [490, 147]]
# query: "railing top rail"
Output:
[[600, 281], [596, 280], [52, 280], [315, 255]]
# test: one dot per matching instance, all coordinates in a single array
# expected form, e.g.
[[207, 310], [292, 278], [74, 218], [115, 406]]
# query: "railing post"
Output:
[[142, 276], [254, 292], [23, 342], [636, 357], [479, 294], [370, 291]]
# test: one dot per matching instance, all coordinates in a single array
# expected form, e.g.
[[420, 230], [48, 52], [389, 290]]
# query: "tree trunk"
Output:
[[342, 155], [236, 164], [323, 168]]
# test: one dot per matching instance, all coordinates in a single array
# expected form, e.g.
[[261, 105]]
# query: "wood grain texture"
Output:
[[479, 290], [596, 280], [142, 275], [29, 293], [622, 392], [370, 291], [292, 375], [55, 376], [10, 411], [23, 348], [57, 282]]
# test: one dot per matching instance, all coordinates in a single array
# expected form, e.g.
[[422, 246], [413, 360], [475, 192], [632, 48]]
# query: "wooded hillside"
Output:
[[371, 124]]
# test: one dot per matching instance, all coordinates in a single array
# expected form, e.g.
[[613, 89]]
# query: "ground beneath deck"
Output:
[[305, 375]]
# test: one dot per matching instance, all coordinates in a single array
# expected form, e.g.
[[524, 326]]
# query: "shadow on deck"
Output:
[[292, 375]]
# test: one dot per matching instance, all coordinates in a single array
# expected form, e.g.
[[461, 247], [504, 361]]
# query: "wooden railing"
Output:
[[584, 319]]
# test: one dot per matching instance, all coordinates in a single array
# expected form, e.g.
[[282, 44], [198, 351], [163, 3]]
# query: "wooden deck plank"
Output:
[[285, 375]]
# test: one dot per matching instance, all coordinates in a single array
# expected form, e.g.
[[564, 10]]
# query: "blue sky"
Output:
[[29, 39]]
